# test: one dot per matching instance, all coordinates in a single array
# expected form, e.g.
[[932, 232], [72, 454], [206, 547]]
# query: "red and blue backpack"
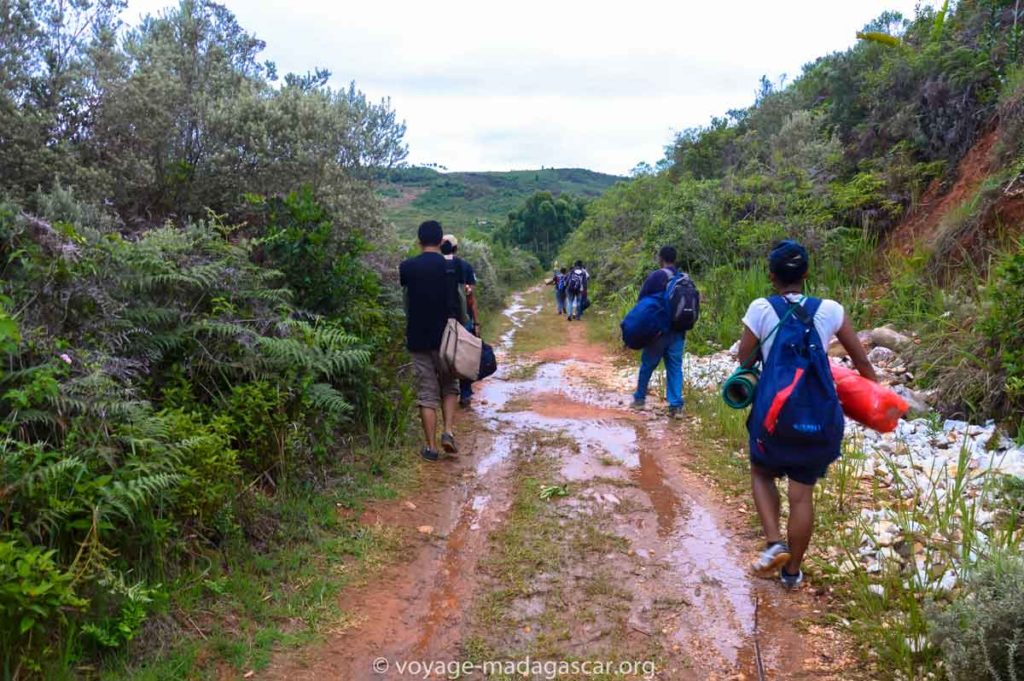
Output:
[[796, 419]]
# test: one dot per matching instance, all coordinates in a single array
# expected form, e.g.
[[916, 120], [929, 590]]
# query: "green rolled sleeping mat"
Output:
[[738, 389]]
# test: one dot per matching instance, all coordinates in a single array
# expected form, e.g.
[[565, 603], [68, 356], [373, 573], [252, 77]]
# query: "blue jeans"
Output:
[[667, 347], [574, 301], [560, 301]]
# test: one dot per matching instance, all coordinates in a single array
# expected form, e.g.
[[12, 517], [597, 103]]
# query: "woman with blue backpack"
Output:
[[796, 422]]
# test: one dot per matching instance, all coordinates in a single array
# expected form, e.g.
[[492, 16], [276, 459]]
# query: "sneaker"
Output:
[[429, 454], [675, 412], [772, 558], [789, 581], [638, 405], [448, 443]]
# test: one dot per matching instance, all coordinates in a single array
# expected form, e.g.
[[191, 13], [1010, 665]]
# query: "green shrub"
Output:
[[981, 634], [36, 595], [1001, 325]]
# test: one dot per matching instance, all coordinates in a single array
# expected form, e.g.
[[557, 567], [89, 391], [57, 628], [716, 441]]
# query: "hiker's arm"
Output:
[[471, 306], [848, 337], [748, 349]]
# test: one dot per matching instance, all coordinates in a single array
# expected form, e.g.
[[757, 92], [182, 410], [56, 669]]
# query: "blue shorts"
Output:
[[807, 474]]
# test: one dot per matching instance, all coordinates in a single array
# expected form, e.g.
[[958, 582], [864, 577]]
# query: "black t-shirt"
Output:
[[468, 275], [424, 279]]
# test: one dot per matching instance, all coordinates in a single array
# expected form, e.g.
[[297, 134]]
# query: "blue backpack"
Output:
[[796, 418], [649, 318]]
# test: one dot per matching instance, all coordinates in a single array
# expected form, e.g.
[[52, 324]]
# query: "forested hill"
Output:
[[479, 200]]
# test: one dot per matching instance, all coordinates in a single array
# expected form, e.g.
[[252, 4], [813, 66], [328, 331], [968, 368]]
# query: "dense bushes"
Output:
[[982, 634], [145, 385], [192, 265]]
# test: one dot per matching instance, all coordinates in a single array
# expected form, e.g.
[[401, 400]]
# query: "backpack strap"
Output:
[[672, 278], [805, 310], [808, 310]]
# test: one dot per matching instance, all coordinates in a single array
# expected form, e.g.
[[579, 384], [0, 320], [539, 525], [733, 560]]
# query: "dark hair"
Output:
[[579, 263], [668, 254], [564, 270], [788, 261], [430, 233], [447, 248]]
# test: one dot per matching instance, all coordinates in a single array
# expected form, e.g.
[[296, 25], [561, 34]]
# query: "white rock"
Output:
[[948, 581], [953, 426], [881, 355], [877, 589]]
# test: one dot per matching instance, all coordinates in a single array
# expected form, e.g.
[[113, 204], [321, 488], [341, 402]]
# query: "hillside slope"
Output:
[[478, 200]]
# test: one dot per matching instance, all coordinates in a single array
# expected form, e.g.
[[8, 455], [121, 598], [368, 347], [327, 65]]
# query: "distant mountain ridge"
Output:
[[478, 201]]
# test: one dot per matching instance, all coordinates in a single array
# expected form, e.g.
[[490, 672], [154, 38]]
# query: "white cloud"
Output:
[[493, 86]]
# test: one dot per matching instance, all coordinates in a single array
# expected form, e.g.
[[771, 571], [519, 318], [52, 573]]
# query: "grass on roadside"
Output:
[[228, 618]]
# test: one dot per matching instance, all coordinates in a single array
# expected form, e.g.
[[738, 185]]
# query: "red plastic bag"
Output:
[[867, 402]]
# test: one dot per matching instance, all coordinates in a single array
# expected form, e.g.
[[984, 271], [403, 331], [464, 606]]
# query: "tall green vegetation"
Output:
[[837, 159], [194, 277], [542, 224]]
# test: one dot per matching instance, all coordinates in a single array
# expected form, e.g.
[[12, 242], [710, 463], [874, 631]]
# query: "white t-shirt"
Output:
[[761, 319]]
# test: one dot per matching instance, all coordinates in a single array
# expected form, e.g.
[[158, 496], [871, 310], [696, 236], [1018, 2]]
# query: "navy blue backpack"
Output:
[[796, 418], [649, 318]]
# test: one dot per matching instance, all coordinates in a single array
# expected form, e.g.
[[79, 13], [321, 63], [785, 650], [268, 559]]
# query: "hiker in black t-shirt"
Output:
[[424, 283], [467, 277]]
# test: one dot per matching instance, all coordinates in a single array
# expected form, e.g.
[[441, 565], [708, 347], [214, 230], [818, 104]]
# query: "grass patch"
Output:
[[247, 601], [542, 330]]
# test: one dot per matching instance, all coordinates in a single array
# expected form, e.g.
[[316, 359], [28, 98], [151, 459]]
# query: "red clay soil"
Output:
[[576, 346], [923, 223], [555, 405]]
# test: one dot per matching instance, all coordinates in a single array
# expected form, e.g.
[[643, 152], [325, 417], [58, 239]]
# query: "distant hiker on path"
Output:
[[424, 281], [796, 422], [449, 249], [576, 289], [558, 280], [667, 347]]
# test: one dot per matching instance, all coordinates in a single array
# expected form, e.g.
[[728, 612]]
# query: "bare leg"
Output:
[[766, 499], [428, 417], [448, 405], [801, 522]]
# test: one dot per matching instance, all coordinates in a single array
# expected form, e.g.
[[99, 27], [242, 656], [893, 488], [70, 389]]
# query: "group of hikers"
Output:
[[796, 422], [571, 288]]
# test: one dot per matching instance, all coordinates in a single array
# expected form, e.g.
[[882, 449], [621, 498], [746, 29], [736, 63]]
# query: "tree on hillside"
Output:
[[542, 224], [175, 116]]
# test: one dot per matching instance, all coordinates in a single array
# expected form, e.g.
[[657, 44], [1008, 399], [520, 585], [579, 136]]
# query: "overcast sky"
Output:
[[555, 83]]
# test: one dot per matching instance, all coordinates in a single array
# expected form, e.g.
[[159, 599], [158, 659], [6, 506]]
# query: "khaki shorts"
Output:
[[432, 379]]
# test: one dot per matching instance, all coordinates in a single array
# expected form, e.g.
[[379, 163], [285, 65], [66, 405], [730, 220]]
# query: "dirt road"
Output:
[[569, 529]]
